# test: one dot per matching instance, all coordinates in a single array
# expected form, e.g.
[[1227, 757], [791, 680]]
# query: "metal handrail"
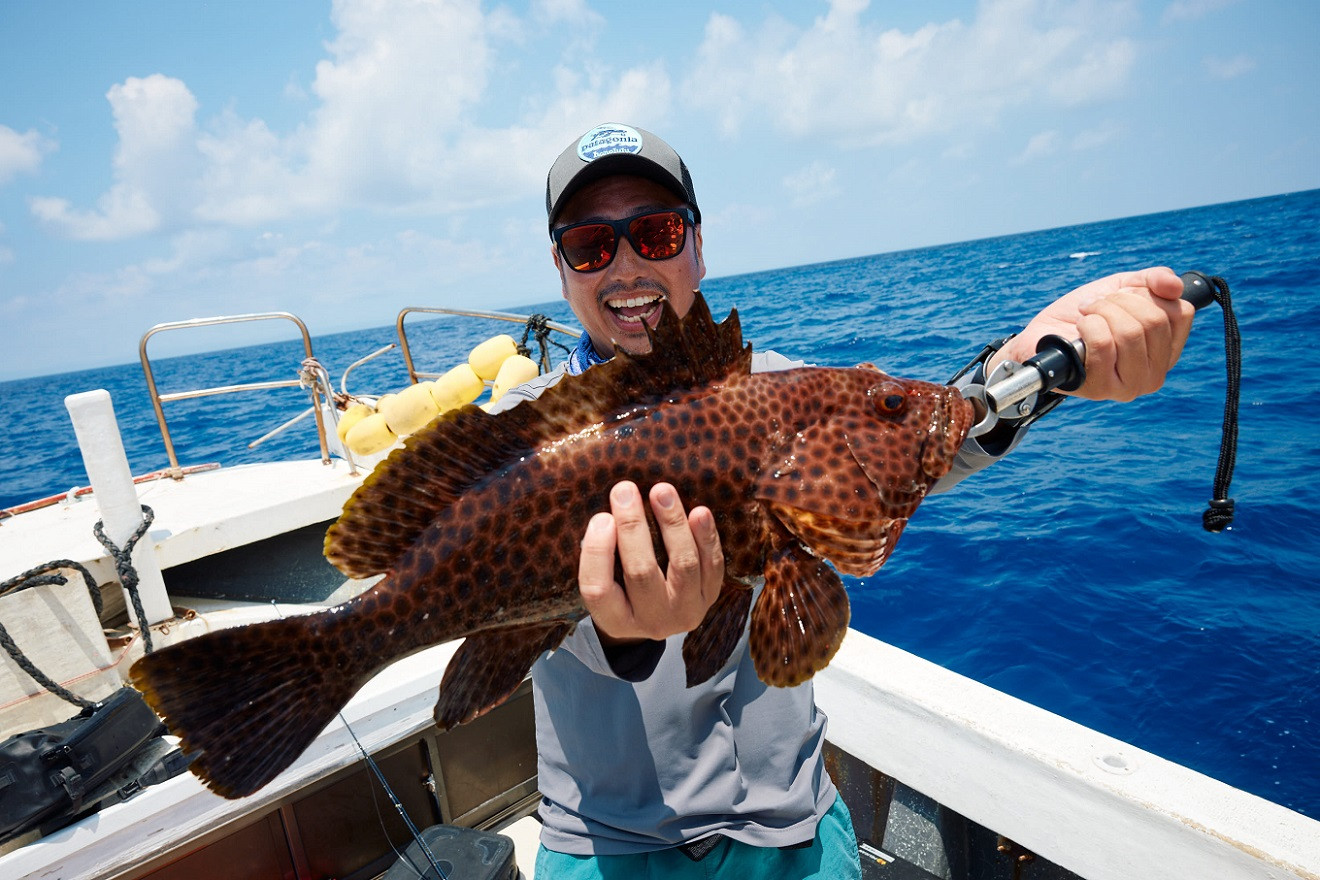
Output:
[[413, 375], [157, 398]]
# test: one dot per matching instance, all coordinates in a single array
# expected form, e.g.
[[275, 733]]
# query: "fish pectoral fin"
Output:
[[800, 618], [488, 667], [707, 648]]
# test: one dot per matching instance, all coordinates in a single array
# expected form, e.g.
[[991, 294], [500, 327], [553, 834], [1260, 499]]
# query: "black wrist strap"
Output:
[[1007, 428], [982, 357]]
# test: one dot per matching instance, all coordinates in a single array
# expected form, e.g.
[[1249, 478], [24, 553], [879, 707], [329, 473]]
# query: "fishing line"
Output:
[[375, 768]]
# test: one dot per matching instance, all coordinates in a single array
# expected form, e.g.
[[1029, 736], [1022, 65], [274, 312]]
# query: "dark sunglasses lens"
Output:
[[588, 247], [658, 236]]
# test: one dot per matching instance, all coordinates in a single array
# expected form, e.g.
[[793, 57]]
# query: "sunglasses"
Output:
[[654, 235]]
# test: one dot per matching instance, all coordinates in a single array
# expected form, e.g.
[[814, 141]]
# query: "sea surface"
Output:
[[1074, 574]]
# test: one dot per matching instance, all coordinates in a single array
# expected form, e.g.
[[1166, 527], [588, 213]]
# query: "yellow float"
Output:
[[350, 417], [370, 435], [410, 409], [513, 372], [459, 387], [487, 358]]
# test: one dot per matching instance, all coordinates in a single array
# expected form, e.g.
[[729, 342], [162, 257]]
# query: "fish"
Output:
[[476, 525]]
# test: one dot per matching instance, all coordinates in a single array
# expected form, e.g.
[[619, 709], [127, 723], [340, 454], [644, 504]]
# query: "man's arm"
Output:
[[1134, 325]]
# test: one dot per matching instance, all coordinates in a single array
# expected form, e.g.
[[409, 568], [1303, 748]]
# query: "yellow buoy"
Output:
[[350, 417], [459, 387], [487, 357], [513, 372], [409, 410], [370, 435]]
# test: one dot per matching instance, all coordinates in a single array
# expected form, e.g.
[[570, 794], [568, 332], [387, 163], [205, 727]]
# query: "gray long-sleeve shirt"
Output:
[[633, 766]]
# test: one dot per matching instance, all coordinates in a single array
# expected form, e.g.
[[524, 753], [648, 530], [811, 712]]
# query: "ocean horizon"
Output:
[[1074, 574]]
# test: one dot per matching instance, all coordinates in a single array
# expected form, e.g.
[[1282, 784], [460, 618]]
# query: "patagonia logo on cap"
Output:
[[605, 140]]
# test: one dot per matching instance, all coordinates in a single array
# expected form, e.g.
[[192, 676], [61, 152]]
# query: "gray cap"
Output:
[[611, 149]]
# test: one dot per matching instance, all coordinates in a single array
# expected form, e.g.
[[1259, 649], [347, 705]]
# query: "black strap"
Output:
[[1219, 514]]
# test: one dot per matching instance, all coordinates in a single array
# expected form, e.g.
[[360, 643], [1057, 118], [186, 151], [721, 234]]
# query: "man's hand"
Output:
[[652, 604], [1134, 325]]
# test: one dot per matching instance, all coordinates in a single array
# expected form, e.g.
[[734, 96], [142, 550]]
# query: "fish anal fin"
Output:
[[800, 617], [707, 648], [488, 667]]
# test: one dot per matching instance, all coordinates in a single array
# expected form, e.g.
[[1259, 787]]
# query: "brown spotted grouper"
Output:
[[476, 524]]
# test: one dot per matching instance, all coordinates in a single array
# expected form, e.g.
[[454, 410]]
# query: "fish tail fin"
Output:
[[247, 701], [800, 618]]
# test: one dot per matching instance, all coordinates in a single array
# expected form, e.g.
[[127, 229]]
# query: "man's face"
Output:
[[612, 303]]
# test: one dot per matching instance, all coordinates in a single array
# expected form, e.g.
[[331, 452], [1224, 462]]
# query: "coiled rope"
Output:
[[128, 575], [43, 575], [538, 326]]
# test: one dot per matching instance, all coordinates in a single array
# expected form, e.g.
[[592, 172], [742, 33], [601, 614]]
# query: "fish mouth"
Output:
[[950, 419]]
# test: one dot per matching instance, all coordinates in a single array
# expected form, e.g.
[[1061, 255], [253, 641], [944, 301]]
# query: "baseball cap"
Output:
[[614, 148]]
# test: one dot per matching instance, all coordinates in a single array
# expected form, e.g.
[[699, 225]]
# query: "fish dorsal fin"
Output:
[[461, 448], [685, 353]]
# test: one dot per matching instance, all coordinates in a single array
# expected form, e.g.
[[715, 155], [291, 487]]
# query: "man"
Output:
[[641, 776]]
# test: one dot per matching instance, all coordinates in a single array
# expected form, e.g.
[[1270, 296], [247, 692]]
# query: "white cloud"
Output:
[[1094, 138], [573, 12], [1044, 144], [1190, 10], [1097, 74], [848, 78], [814, 183], [154, 164], [1229, 68], [21, 153], [400, 119]]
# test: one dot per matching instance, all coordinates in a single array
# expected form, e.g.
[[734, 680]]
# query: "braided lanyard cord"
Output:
[[1219, 514]]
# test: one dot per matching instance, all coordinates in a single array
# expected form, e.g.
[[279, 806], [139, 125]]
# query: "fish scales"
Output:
[[477, 521]]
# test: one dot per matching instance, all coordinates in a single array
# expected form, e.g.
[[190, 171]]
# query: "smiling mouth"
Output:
[[637, 310]]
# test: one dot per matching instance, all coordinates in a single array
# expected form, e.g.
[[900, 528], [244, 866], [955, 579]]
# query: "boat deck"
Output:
[[203, 514]]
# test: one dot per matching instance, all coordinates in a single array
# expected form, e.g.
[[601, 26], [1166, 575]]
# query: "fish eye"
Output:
[[889, 398]]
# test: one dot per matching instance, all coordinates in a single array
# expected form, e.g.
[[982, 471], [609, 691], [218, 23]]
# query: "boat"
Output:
[[945, 777]]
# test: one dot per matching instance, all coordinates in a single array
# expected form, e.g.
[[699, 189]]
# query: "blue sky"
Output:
[[170, 160]]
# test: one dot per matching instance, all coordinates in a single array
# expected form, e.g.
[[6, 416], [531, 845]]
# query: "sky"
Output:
[[165, 160]]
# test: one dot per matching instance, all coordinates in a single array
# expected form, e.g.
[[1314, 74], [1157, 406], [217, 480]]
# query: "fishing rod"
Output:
[[1015, 392]]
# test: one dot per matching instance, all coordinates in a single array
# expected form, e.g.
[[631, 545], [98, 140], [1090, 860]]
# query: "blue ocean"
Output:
[[1074, 575]]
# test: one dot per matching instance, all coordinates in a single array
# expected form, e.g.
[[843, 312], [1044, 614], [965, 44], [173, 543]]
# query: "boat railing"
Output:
[[414, 375], [310, 375]]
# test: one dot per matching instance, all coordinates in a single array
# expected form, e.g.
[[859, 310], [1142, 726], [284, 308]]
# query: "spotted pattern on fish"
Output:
[[476, 525]]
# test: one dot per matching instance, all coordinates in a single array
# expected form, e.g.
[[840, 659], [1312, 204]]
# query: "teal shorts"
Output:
[[831, 856]]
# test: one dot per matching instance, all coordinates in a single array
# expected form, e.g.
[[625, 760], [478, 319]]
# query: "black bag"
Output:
[[464, 853], [50, 772]]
